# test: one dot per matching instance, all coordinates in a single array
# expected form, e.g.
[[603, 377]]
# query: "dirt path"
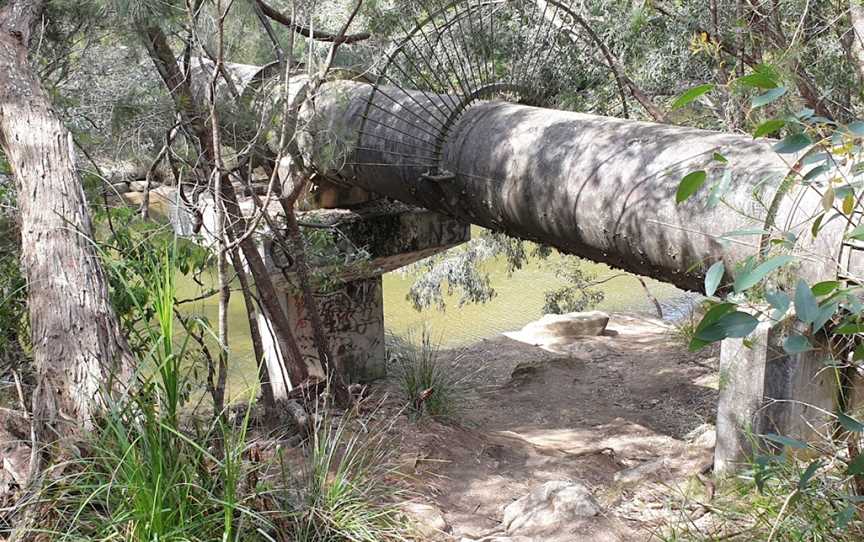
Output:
[[629, 414]]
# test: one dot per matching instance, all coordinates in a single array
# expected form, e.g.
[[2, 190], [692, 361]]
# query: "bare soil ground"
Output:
[[630, 414]]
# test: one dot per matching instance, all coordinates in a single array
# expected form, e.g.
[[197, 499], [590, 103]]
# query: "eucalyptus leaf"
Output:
[[769, 97], [795, 344], [748, 279], [824, 287], [793, 143], [733, 325], [806, 307], [691, 95], [856, 128], [713, 277], [768, 127], [690, 184], [849, 423], [779, 302]]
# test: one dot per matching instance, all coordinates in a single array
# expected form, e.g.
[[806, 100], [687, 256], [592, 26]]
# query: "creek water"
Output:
[[519, 300]]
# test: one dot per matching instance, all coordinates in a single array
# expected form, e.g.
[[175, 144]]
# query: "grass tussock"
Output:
[[427, 384], [349, 465], [157, 468]]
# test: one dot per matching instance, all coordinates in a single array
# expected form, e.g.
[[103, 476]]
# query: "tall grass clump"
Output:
[[144, 477], [426, 383], [346, 490]]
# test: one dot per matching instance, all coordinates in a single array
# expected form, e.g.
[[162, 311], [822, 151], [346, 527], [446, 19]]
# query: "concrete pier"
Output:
[[764, 389]]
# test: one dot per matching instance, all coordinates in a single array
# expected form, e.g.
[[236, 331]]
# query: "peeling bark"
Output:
[[79, 350]]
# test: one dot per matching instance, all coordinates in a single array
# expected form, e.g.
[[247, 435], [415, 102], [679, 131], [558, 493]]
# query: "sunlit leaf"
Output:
[[690, 184], [692, 94], [763, 76], [825, 287], [717, 157], [828, 198], [747, 280], [857, 233], [849, 329], [713, 277], [848, 204]]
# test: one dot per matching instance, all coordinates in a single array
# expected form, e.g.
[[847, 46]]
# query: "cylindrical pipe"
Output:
[[597, 187]]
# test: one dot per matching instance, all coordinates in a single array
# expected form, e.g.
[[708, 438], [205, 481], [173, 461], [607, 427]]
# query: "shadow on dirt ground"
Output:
[[629, 414]]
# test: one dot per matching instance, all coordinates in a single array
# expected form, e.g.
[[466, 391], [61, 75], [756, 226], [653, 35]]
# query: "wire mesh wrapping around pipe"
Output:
[[598, 187]]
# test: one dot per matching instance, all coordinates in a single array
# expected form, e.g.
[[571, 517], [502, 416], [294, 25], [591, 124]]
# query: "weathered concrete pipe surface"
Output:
[[601, 188]]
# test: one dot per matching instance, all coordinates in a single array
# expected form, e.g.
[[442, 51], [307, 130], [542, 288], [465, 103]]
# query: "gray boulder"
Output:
[[551, 508]]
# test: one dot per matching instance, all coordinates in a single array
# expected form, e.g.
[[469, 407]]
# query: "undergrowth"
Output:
[[427, 385], [157, 468]]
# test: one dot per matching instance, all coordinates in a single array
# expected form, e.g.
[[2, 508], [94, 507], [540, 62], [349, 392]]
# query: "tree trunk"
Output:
[[856, 19], [79, 350]]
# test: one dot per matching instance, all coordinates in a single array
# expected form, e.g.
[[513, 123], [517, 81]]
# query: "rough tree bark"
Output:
[[79, 350]]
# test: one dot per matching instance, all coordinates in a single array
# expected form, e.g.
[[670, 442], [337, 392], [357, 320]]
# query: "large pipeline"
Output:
[[601, 188]]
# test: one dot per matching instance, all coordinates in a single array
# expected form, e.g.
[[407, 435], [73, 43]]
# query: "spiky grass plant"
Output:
[[427, 385], [346, 495], [145, 477]]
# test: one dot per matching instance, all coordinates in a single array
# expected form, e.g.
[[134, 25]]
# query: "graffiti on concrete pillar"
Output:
[[353, 318]]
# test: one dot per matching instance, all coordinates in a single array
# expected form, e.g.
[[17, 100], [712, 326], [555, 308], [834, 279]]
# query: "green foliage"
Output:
[[132, 254], [800, 490], [427, 384], [146, 477], [345, 488], [578, 294]]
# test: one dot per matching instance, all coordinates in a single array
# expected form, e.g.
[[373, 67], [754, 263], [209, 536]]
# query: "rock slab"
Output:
[[558, 328], [551, 507]]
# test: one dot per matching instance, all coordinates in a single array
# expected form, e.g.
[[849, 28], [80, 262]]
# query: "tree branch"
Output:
[[284, 20]]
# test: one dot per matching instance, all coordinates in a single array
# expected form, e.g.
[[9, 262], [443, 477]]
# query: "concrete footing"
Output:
[[763, 390]]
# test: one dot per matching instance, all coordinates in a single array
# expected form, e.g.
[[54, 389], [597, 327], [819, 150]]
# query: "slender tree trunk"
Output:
[[79, 350], [179, 88], [856, 20]]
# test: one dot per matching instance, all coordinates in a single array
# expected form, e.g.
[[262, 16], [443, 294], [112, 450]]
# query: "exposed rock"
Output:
[[553, 328], [428, 520], [640, 473], [141, 186], [552, 507], [704, 436]]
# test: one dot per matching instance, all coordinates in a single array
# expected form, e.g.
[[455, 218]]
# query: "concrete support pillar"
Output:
[[765, 390], [353, 318]]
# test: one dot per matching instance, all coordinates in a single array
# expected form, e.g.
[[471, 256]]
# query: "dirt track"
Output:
[[629, 413]]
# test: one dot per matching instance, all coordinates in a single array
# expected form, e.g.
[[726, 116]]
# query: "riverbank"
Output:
[[626, 416]]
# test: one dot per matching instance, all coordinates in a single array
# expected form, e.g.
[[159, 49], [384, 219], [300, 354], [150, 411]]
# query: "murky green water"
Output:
[[519, 300]]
